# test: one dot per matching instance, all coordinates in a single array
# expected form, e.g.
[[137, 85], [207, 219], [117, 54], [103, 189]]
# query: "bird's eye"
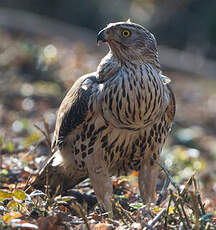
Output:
[[125, 33]]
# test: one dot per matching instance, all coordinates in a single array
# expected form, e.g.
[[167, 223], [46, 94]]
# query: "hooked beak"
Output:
[[101, 37]]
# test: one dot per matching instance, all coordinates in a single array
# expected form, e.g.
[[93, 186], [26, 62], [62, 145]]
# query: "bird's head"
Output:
[[129, 41]]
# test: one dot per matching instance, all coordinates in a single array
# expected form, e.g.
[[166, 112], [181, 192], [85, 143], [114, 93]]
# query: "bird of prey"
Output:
[[114, 120]]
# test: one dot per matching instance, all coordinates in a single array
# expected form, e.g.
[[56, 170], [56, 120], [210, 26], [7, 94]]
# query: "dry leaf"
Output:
[[19, 194], [5, 194]]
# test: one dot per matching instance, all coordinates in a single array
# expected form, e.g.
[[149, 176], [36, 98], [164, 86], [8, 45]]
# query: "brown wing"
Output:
[[74, 109], [171, 108]]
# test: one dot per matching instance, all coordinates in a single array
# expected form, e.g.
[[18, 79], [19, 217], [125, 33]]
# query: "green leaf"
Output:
[[64, 198], [136, 205], [35, 136], [4, 172], [5, 195], [19, 194], [13, 205], [1, 141], [9, 216], [37, 193], [10, 146]]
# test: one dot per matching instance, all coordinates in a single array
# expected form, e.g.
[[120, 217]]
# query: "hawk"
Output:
[[114, 120]]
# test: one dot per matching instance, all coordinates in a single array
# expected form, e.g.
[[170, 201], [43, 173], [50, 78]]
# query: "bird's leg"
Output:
[[147, 180], [101, 183]]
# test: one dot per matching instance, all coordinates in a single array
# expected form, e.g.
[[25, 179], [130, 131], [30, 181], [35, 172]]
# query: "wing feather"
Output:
[[74, 109], [171, 108]]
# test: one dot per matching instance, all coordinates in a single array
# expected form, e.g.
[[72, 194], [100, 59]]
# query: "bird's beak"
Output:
[[102, 36]]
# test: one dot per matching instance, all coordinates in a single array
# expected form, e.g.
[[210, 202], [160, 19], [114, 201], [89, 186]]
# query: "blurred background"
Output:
[[46, 45]]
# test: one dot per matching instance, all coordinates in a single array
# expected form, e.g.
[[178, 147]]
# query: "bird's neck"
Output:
[[145, 57], [108, 67], [111, 64], [153, 60]]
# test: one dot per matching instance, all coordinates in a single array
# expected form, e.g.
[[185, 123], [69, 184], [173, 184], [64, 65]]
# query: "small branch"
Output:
[[186, 187], [195, 203], [78, 208], [147, 226], [181, 225], [195, 209], [178, 209], [113, 222], [170, 177], [16, 151], [183, 210], [180, 200], [163, 191], [45, 133], [154, 221], [47, 129], [201, 204], [167, 212], [125, 213]]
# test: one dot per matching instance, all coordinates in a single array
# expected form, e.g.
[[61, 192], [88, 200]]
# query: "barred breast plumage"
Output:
[[114, 120]]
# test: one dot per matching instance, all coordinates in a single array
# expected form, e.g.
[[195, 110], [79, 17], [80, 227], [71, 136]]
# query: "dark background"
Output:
[[183, 24]]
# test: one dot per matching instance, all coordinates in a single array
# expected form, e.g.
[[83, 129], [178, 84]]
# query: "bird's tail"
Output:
[[53, 177]]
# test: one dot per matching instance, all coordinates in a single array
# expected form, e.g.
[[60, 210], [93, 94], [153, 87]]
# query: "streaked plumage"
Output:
[[114, 120]]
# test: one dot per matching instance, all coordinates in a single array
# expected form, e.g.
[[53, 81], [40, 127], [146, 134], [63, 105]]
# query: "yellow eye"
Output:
[[125, 33]]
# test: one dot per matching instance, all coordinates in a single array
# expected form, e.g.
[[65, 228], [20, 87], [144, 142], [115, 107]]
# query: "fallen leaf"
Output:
[[22, 224], [19, 194], [13, 204], [9, 216], [49, 223], [103, 226], [5, 194]]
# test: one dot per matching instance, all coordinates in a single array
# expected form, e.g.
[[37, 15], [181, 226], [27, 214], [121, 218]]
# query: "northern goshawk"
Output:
[[114, 120]]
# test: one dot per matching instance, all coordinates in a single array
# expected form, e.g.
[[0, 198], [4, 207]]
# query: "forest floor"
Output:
[[35, 73]]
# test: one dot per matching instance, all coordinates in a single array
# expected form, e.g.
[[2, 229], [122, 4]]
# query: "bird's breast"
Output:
[[134, 98]]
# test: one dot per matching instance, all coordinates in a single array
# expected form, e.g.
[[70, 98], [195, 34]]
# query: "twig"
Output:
[[201, 204], [82, 198], [78, 208], [181, 226], [207, 227], [154, 221], [84, 217], [16, 151], [195, 203], [195, 209], [183, 210], [47, 190], [119, 211], [122, 218], [147, 226], [28, 182], [46, 126], [45, 134], [125, 213], [167, 212], [163, 191], [186, 187], [179, 200], [170, 177], [36, 145], [114, 222], [178, 209]]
